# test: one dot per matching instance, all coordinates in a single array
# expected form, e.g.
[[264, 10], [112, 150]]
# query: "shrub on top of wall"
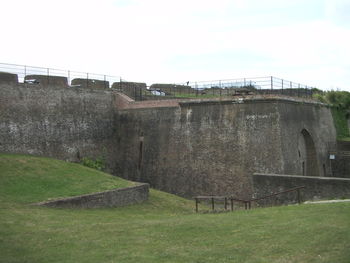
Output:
[[340, 102]]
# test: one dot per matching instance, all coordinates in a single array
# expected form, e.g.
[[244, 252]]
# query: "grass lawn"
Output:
[[164, 229]]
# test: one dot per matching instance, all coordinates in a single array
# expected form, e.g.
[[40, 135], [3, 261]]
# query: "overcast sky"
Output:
[[306, 41]]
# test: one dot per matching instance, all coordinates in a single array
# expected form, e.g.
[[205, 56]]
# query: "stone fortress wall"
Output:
[[185, 147]]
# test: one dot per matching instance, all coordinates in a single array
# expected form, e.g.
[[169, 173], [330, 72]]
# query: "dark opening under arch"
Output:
[[309, 160]]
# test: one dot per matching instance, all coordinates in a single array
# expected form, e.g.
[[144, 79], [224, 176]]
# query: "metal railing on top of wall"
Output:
[[267, 85], [268, 82], [232, 87], [23, 70], [198, 89]]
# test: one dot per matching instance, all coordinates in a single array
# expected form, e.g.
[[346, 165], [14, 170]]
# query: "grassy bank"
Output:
[[28, 179], [164, 229]]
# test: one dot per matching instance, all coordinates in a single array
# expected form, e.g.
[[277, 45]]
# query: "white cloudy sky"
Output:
[[306, 41]]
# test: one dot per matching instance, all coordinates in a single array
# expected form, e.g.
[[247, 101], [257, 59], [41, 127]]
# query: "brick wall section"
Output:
[[91, 83], [49, 81], [214, 146], [187, 147], [58, 122], [343, 146], [8, 78], [341, 164], [123, 102], [132, 89], [316, 188], [113, 198]]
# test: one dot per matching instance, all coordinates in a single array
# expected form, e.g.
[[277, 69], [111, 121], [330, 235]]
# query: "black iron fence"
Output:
[[140, 91], [225, 88], [30, 73], [273, 199], [246, 86], [268, 83]]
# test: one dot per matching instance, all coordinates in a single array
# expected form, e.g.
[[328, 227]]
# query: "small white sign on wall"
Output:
[[331, 156]]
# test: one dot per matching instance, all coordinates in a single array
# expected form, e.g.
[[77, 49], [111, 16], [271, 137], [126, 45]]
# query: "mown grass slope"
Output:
[[28, 179], [164, 229]]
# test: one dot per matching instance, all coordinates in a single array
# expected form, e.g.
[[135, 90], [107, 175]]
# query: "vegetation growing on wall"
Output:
[[340, 122], [340, 102]]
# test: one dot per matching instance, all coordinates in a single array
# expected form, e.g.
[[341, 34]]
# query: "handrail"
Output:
[[274, 194], [247, 203]]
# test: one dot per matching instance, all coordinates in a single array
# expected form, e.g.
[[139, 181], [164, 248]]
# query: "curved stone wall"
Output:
[[189, 147]]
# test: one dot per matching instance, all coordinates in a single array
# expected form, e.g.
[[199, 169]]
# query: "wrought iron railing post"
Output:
[[271, 83], [48, 76], [87, 80], [282, 86]]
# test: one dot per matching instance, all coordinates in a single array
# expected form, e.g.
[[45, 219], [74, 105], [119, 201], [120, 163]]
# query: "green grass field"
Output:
[[164, 229]]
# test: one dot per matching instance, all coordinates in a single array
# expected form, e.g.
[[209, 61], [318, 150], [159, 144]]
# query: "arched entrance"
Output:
[[307, 155]]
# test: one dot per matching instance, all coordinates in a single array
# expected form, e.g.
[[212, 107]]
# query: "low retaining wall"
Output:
[[341, 165], [113, 198], [316, 188]]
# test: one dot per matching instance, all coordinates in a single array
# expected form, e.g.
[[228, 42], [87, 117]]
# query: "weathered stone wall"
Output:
[[113, 198], [343, 146], [135, 90], [341, 165], [214, 147], [317, 121], [341, 162], [8, 78], [65, 123], [91, 83], [48, 81], [186, 148], [316, 188]]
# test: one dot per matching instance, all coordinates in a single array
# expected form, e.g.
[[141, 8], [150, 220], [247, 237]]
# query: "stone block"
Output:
[[46, 81], [91, 83], [6, 77]]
